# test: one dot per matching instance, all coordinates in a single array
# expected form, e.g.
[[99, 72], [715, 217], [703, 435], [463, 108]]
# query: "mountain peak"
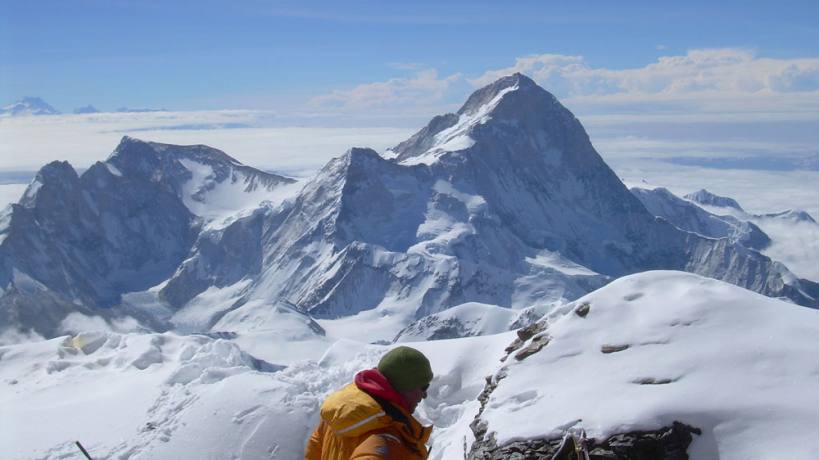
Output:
[[59, 176], [86, 109], [509, 83], [29, 105], [131, 146], [514, 107], [707, 198]]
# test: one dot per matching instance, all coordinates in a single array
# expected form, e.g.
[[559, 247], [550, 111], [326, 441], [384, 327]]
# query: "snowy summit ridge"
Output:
[[504, 101]]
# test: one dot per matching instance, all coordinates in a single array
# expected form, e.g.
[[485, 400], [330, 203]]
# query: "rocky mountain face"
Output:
[[505, 202], [122, 226], [29, 106]]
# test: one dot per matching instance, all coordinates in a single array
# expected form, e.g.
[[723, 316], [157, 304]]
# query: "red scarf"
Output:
[[373, 382]]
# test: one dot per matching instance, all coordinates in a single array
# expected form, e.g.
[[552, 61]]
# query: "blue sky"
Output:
[[291, 55]]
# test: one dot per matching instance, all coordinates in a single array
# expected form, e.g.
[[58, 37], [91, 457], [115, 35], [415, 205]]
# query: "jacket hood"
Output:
[[374, 383]]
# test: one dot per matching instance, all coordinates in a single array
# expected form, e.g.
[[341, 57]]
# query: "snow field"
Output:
[[664, 346]]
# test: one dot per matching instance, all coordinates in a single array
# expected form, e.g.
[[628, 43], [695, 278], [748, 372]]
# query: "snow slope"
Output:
[[663, 346], [738, 365]]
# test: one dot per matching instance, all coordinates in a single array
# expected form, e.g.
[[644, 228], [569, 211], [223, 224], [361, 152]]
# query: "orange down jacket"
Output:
[[354, 425]]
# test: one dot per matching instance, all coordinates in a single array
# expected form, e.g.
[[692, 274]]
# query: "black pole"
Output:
[[84, 452]]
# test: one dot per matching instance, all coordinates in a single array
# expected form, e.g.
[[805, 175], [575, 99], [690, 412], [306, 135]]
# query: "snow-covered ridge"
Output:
[[658, 347], [124, 224], [457, 137], [788, 236], [469, 320], [688, 216], [452, 132], [705, 197]]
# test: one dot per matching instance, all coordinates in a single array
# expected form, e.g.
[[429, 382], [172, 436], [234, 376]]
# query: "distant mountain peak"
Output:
[[131, 146], [86, 109], [29, 105], [795, 215], [707, 198]]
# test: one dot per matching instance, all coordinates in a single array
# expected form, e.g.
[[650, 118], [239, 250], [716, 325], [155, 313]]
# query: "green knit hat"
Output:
[[406, 368]]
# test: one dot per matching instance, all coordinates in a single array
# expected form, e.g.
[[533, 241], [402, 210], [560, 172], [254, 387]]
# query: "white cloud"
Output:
[[254, 138], [424, 87], [723, 79], [794, 243]]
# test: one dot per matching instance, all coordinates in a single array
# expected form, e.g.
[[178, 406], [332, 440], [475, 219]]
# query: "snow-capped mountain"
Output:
[[709, 201], [690, 217], [707, 198], [793, 233], [124, 225], [28, 106], [504, 203]]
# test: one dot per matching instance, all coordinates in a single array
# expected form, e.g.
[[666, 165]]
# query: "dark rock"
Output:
[[606, 349], [524, 334], [537, 344], [583, 309], [667, 443]]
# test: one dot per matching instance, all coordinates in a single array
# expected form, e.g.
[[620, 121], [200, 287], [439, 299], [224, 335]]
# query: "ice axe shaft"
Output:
[[84, 452]]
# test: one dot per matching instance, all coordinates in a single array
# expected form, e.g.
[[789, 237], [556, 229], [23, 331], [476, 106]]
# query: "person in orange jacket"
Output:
[[371, 418]]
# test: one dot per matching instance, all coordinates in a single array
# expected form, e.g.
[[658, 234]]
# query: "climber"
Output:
[[371, 418]]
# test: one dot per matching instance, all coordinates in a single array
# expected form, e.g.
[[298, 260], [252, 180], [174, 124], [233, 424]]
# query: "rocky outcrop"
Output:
[[667, 443]]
